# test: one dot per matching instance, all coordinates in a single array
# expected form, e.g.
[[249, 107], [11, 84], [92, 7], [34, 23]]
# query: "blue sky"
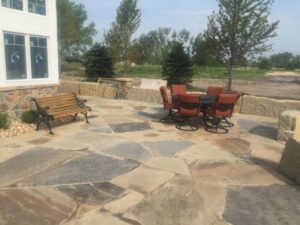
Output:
[[192, 15]]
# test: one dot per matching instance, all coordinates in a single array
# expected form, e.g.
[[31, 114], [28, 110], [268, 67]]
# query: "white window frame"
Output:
[[32, 13], [18, 10], [25, 9], [48, 56], [26, 63], [29, 78]]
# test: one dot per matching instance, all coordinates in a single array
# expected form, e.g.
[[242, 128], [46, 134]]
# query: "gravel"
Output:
[[16, 128]]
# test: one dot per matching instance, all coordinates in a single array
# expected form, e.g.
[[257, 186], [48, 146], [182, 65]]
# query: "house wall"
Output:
[[16, 100], [23, 22]]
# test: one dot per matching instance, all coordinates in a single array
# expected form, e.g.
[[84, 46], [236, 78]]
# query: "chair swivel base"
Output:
[[187, 125]]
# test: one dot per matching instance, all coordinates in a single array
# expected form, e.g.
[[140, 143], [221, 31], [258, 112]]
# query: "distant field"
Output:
[[154, 71]]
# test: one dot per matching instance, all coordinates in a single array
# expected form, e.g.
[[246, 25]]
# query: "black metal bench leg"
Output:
[[49, 126], [86, 117], [75, 117], [38, 124]]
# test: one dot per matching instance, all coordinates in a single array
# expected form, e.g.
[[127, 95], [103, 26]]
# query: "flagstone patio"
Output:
[[127, 168]]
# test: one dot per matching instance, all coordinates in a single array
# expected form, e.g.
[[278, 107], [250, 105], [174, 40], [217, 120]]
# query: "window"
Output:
[[13, 4], [39, 57], [37, 6], [15, 56]]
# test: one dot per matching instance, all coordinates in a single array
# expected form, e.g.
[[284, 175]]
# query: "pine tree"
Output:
[[98, 62], [177, 67]]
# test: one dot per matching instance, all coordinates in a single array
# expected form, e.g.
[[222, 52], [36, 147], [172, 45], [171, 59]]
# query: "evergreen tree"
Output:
[[98, 62], [177, 67], [241, 29]]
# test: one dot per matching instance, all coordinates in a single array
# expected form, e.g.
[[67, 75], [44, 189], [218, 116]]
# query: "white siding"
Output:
[[23, 22]]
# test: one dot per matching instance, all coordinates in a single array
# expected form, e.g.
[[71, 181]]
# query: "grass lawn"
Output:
[[154, 71]]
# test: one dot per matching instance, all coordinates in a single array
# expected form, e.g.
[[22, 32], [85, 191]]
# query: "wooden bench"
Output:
[[59, 106]]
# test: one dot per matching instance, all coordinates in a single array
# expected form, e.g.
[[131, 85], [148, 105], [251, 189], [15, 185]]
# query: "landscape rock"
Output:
[[287, 124], [290, 161]]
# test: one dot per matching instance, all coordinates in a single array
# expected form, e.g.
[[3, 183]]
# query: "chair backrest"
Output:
[[215, 91], [189, 105], [178, 89], [225, 104], [164, 94]]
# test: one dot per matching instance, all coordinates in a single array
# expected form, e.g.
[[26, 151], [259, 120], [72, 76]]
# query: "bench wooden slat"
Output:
[[59, 106]]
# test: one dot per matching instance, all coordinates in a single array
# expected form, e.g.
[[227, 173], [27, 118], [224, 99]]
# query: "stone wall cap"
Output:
[[29, 87], [293, 113]]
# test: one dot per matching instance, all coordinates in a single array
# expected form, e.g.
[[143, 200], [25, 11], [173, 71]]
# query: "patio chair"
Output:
[[216, 116], [189, 108], [215, 91], [168, 105], [178, 89]]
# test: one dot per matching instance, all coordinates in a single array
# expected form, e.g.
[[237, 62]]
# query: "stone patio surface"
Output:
[[127, 168]]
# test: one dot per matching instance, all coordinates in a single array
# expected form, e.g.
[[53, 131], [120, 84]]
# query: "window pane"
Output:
[[19, 40], [39, 57], [37, 6], [14, 4], [15, 57], [9, 39]]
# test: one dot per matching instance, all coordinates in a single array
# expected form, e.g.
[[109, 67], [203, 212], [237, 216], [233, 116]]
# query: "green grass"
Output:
[[144, 71], [222, 73], [154, 71], [73, 69]]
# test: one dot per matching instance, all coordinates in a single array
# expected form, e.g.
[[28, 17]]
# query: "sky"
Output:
[[192, 15]]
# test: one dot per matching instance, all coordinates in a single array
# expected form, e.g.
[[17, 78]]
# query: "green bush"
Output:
[[264, 63], [177, 67], [30, 116], [98, 62], [4, 121]]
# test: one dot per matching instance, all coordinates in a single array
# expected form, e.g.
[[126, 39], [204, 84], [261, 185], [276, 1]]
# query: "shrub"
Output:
[[177, 67], [30, 116], [264, 63], [4, 121], [98, 62]]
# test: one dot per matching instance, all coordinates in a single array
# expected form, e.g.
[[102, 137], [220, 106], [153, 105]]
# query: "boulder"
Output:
[[287, 125], [290, 161]]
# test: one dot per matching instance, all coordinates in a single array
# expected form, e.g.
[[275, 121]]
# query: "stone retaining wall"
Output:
[[14, 101], [262, 106], [144, 95], [290, 161], [89, 89]]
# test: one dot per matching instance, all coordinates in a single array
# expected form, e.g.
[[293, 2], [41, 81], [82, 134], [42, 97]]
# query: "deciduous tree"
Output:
[[75, 36], [126, 24], [241, 29]]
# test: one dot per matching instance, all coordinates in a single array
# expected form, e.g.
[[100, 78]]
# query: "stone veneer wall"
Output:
[[89, 89], [263, 106], [252, 105], [14, 101], [144, 95]]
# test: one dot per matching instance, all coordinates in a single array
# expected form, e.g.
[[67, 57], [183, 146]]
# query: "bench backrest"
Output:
[[57, 102]]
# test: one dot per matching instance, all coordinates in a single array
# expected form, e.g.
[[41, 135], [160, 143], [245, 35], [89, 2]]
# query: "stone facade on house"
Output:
[[14, 101]]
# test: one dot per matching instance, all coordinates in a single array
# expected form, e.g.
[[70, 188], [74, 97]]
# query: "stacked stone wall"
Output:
[[14, 101]]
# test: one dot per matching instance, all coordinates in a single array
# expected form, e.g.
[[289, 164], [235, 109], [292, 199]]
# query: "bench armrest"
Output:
[[82, 102]]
